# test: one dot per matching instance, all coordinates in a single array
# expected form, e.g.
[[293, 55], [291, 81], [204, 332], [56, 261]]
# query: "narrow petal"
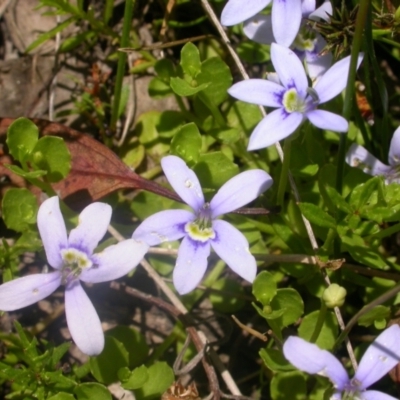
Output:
[[307, 7], [184, 181], [318, 64], [164, 226], [258, 91], [375, 395], [324, 12], [232, 247], [259, 29], [359, 157], [394, 150], [276, 126], [334, 80], [289, 68], [310, 358], [286, 19], [381, 356], [82, 319], [239, 191], [92, 226], [115, 261], [326, 120], [237, 11], [23, 292], [52, 231], [191, 264]]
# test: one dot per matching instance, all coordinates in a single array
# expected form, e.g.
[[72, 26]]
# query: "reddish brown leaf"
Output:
[[95, 170]]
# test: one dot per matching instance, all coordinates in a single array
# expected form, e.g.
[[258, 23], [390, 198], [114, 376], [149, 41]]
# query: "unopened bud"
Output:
[[334, 296]]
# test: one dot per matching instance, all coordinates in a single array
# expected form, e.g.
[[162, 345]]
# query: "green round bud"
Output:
[[267, 309], [334, 296]]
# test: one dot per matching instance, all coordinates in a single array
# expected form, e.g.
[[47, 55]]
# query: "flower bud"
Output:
[[334, 296]]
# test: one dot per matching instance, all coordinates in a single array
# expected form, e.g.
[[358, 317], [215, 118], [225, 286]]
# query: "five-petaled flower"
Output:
[[381, 356], [293, 98], [201, 229], [357, 156], [308, 43], [285, 15], [73, 260]]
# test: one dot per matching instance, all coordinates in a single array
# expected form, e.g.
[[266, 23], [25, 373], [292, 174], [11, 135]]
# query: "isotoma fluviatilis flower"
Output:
[[285, 16], [381, 356], [308, 43], [292, 97], [73, 260], [358, 156], [201, 229]]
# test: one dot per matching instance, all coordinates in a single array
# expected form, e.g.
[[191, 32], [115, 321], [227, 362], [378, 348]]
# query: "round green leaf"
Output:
[[19, 209], [138, 377], [264, 288], [227, 300], [62, 396], [91, 391], [190, 59], [186, 144], [288, 385], [291, 302]]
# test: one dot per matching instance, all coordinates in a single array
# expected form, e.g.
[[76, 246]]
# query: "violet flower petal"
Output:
[[317, 65], [236, 11], [91, 228], [191, 264], [259, 29], [381, 356], [82, 319], [239, 191], [375, 395], [52, 231], [233, 248], [334, 80], [358, 156], [323, 12], [326, 120], [289, 68], [258, 91], [394, 150], [286, 19], [307, 7], [277, 125], [164, 226], [23, 292], [184, 181], [115, 261], [309, 358]]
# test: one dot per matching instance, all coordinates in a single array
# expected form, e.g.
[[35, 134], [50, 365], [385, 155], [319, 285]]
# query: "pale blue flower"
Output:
[[308, 44], [292, 97], [285, 16], [381, 356], [358, 156], [73, 260], [201, 229]]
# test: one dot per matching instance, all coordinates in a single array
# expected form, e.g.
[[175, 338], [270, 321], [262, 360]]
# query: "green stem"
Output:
[[108, 11], [320, 322], [285, 171], [128, 13], [348, 99]]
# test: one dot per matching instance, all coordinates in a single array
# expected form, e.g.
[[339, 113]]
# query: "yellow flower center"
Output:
[[292, 102]]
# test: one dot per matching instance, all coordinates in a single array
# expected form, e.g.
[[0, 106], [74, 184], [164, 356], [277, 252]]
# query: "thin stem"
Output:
[[128, 13], [284, 171], [320, 322], [348, 99], [108, 11]]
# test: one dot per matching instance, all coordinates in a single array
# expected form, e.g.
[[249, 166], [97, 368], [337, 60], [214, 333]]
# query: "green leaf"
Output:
[[329, 330], [228, 300], [264, 288], [253, 53], [19, 209], [160, 379], [62, 396], [362, 193], [22, 136], [288, 385], [214, 169], [291, 303], [186, 144], [27, 175], [317, 216], [165, 69], [105, 366], [338, 201], [376, 314], [190, 60], [52, 155], [183, 88], [138, 377], [275, 360], [91, 391], [158, 89]]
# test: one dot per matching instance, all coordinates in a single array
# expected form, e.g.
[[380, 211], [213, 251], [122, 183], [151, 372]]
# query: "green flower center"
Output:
[[305, 40], [201, 228], [74, 262], [292, 102]]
